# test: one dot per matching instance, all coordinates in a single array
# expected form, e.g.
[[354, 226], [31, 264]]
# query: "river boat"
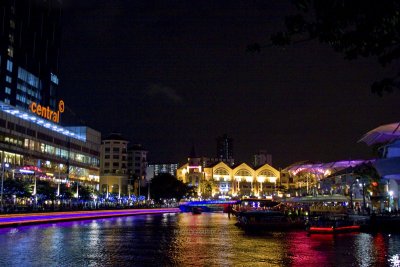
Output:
[[333, 220], [265, 215]]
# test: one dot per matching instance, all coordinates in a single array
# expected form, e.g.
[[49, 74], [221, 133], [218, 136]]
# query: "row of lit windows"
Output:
[[26, 89], [51, 150], [123, 158], [115, 164], [28, 77], [114, 150], [73, 171]]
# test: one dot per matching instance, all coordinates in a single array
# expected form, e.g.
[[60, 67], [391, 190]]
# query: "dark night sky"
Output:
[[167, 73]]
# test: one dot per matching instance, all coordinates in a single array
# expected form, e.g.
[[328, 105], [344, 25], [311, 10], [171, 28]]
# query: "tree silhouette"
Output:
[[356, 28], [167, 186]]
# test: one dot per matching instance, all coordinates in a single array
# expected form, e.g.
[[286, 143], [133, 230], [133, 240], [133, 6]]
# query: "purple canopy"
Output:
[[383, 134]]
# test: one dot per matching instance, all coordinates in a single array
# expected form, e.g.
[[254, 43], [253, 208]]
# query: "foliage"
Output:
[[18, 187], [45, 189], [355, 28], [207, 186], [367, 174], [167, 186]]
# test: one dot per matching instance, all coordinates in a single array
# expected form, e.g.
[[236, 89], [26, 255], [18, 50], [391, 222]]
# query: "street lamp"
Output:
[[351, 194], [59, 178], [2, 184], [363, 192], [390, 200]]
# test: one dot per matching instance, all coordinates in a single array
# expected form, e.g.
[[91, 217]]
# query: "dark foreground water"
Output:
[[186, 240]]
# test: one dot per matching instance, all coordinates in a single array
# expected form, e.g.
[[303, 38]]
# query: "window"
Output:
[[115, 156], [106, 164], [8, 91], [54, 78], [6, 100], [106, 156], [107, 149], [9, 65], [10, 125], [116, 149], [115, 164], [8, 79]]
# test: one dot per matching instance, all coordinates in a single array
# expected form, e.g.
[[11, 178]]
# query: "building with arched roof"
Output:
[[221, 180]]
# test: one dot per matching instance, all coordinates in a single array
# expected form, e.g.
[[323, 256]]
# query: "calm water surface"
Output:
[[209, 239]]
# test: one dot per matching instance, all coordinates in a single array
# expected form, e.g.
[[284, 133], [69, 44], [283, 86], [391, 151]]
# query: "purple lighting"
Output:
[[25, 219]]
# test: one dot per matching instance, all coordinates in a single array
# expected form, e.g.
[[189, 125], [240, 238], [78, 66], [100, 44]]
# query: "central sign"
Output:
[[46, 112]]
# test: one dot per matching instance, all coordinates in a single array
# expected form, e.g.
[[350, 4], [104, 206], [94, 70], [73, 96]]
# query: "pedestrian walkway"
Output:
[[9, 220]]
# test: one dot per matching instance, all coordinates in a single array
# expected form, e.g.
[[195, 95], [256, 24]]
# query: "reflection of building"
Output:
[[31, 139], [114, 165]]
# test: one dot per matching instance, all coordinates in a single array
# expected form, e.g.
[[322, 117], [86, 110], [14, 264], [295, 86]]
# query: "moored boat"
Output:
[[267, 221], [266, 215], [332, 220]]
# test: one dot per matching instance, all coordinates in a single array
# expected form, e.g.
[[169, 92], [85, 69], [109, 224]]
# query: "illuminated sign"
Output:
[[46, 112]]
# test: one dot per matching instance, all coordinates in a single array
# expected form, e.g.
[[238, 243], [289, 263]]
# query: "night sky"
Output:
[[167, 74]]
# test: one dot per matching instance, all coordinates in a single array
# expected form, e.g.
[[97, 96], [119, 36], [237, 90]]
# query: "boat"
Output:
[[267, 220], [196, 210], [334, 219], [265, 215]]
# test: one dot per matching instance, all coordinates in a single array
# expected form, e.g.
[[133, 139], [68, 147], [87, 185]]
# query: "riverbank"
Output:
[[10, 220]]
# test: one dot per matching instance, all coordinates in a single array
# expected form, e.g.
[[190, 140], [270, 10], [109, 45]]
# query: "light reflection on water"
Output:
[[186, 239]]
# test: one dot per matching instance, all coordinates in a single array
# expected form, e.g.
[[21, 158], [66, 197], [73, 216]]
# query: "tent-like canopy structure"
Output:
[[322, 168], [382, 134]]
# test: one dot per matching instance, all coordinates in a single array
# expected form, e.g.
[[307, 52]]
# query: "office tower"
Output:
[[225, 148], [29, 49]]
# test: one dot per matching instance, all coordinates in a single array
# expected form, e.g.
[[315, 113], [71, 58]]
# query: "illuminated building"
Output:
[[29, 52], [137, 160], [304, 178], [32, 141], [50, 151], [155, 169], [224, 181], [114, 165], [386, 138]]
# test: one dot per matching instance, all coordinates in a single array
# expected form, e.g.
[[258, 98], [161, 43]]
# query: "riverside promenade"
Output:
[[10, 220]]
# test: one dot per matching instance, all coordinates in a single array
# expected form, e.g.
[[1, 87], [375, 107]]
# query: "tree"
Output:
[[45, 189], [369, 178], [356, 28], [167, 186], [18, 187]]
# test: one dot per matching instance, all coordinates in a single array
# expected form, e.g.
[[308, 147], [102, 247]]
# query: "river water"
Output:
[[209, 239]]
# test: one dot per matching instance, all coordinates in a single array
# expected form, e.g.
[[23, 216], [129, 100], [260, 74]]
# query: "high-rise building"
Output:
[[261, 158], [155, 169], [225, 149], [114, 165], [32, 140], [29, 51], [137, 161]]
